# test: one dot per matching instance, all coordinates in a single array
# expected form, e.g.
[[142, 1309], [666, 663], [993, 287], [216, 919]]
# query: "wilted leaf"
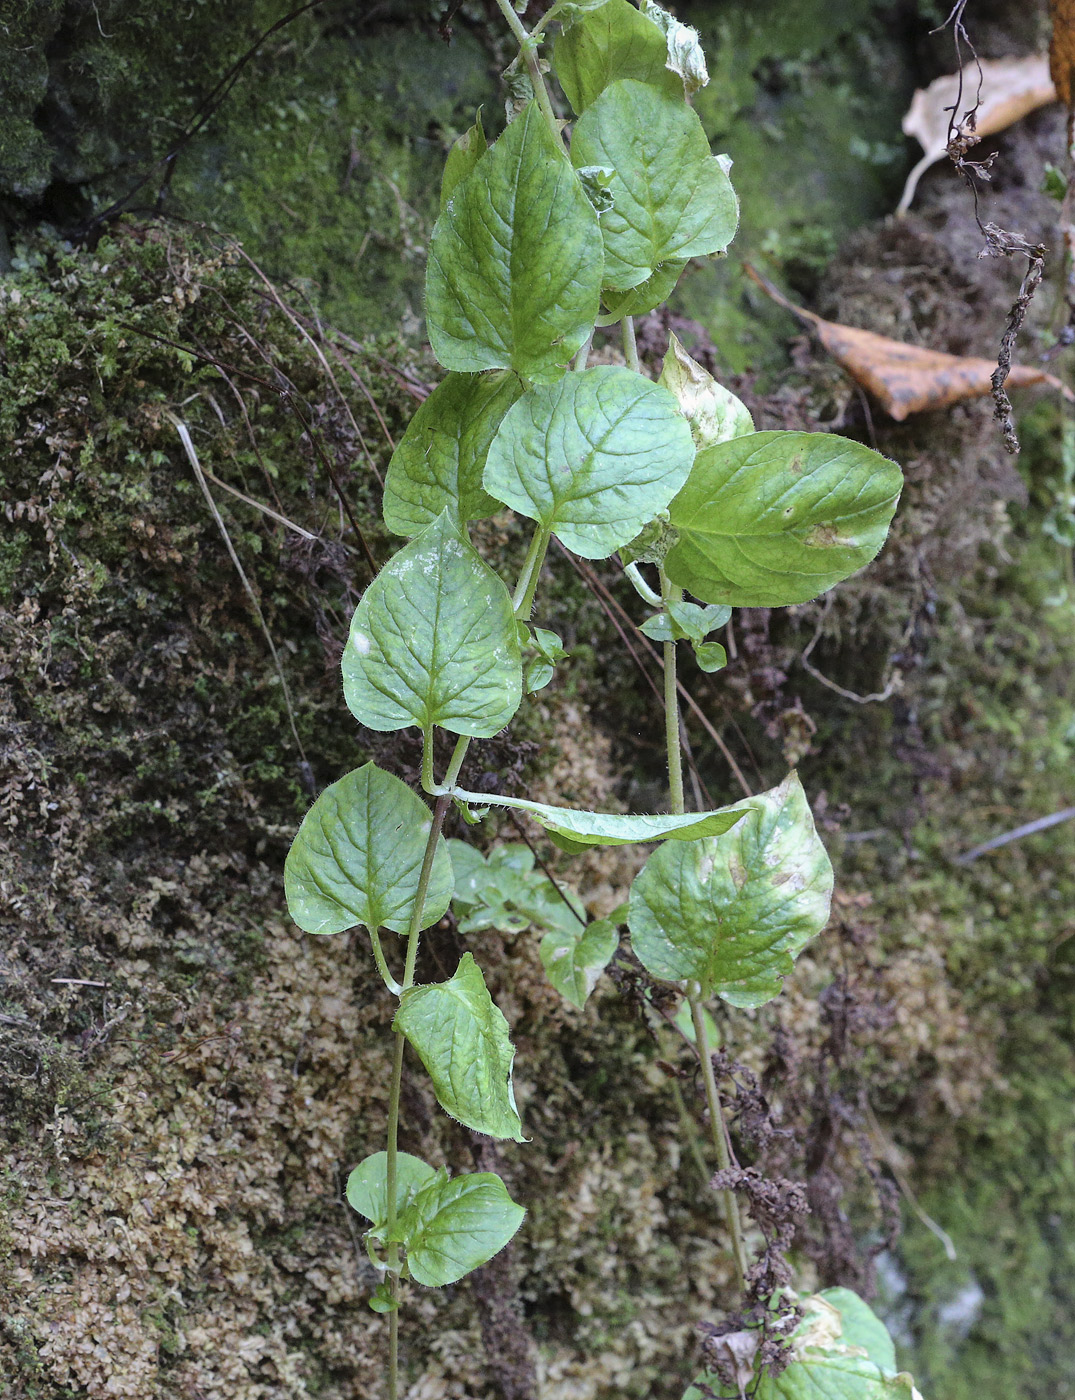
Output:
[[714, 413], [685, 56], [906, 379], [1011, 87]]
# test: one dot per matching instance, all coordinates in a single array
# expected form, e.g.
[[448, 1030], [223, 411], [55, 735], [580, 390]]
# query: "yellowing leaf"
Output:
[[1011, 87], [906, 379]]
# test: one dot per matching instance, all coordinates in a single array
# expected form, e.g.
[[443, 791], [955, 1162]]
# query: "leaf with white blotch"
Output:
[[771, 519], [592, 458], [514, 273], [671, 196], [732, 912], [434, 641], [462, 158], [455, 1224], [658, 287], [685, 56], [367, 1185], [840, 1351], [685, 622], [573, 830], [574, 958], [358, 856], [612, 42], [714, 413], [462, 1039], [440, 458]]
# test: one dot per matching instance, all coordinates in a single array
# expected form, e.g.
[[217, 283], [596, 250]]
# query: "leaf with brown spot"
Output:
[[906, 379], [1062, 49], [1010, 88]]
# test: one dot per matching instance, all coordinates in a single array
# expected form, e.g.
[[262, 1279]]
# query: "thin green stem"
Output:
[[670, 593], [630, 345], [382, 963], [523, 599], [641, 587], [718, 1133], [528, 49], [579, 362]]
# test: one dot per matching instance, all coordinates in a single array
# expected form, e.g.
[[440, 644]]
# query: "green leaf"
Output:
[[462, 1039], [367, 1185], [732, 912], [777, 518], [658, 287], [381, 1300], [714, 413], [672, 199], [592, 458], [514, 274], [574, 959], [539, 672], [710, 656], [358, 855], [685, 57], [440, 458], [574, 830], [507, 893], [455, 1225], [595, 181], [840, 1351], [462, 158], [434, 641], [612, 42], [685, 622]]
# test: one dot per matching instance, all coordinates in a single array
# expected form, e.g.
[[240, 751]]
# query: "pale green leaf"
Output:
[[514, 273], [714, 413], [710, 656], [672, 199], [574, 830], [685, 622], [685, 56], [732, 912], [462, 158], [358, 855], [615, 41], [434, 641], [462, 1039], [777, 518], [657, 288], [367, 1185], [592, 458], [439, 461], [505, 892], [574, 958], [454, 1225]]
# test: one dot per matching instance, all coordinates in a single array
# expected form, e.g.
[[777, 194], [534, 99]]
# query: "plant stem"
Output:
[[523, 599], [579, 362], [630, 345], [718, 1133], [528, 49], [670, 593]]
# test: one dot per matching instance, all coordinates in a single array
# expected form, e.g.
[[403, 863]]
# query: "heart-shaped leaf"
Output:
[[671, 198], [358, 855], [732, 912], [714, 413], [612, 42], [592, 458], [462, 1039], [454, 1225], [367, 1185], [434, 641], [439, 462], [574, 958], [514, 274], [777, 518]]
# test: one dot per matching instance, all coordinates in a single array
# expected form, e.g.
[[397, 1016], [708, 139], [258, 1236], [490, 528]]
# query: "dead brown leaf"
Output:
[[1010, 88], [906, 379], [1062, 49]]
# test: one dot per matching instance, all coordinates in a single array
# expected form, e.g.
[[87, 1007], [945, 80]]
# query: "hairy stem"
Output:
[[528, 49], [523, 598]]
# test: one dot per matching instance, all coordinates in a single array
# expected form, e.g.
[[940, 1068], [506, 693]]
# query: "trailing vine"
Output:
[[538, 244]]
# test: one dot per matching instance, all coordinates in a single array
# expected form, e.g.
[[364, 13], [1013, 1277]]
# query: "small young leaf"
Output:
[[434, 641], [539, 672], [358, 855], [772, 519], [381, 1300], [462, 158], [574, 831], [574, 959], [671, 197], [710, 656], [613, 42], [732, 912], [462, 1039], [514, 274], [685, 56], [595, 181], [658, 287], [367, 1185], [714, 413], [440, 458], [685, 622], [453, 1226], [591, 458], [508, 894]]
